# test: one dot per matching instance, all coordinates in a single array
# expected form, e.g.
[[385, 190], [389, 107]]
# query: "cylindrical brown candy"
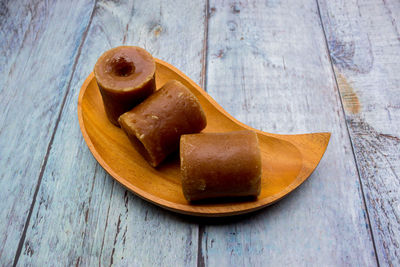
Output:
[[217, 165], [125, 76], [160, 120]]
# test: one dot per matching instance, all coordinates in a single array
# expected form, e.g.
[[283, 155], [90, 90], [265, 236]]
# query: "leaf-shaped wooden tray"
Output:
[[287, 160]]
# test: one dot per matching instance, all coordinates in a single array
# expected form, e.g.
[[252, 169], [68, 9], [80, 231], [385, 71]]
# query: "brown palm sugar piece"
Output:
[[156, 125], [125, 76], [215, 165]]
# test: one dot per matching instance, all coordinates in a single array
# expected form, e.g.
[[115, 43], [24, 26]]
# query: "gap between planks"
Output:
[[348, 131], [22, 239], [201, 228], [203, 84]]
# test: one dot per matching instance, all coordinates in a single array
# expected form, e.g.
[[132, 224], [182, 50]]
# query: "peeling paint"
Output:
[[350, 99]]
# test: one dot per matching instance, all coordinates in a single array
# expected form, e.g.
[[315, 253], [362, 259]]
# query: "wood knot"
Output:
[[343, 56], [235, 8], [220, 53], [212, 11], [232, 26], [157, 30]]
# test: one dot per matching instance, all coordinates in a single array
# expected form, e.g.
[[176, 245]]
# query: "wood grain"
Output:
[[268, 66], [364, 45], [83, 217], [260, 54], [34, 77]]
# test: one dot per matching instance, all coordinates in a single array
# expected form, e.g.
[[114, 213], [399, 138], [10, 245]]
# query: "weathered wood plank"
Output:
[[364, 44], [14, 22], [38, 45], [268, 66], [82, 216]]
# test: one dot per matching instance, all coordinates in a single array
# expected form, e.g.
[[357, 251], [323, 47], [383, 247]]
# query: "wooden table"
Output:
[[280, 66]]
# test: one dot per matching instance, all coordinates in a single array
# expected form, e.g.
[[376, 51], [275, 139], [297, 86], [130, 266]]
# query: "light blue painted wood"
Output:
[[81, 215], [364, 42], [38, 44], [268, 66]]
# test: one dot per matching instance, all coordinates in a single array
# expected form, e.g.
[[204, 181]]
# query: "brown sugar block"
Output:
[[125, 76], [217, 165], [157, 123]]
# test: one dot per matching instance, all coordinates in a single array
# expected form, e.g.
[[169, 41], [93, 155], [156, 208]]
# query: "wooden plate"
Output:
[[288, 160]]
